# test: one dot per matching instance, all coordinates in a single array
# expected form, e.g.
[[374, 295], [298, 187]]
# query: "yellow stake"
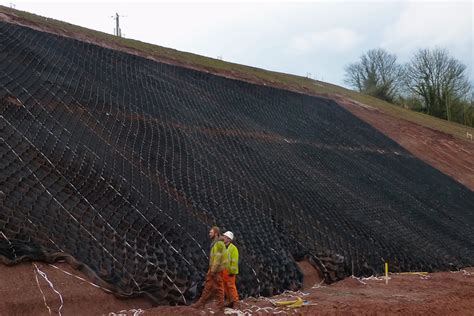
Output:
[[386, 272]]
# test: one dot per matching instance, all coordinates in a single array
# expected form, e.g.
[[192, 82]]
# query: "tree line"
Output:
[[432, 82]]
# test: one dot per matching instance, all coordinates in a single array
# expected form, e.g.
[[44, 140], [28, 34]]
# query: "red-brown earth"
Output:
[[24, 291]]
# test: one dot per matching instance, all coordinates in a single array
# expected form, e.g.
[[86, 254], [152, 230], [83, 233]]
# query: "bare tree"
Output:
[[438, 79], [377, 74]]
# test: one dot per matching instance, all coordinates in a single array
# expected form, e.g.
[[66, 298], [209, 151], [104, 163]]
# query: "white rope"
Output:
[[82, 279], [358, 279], [267, 309], [42, 274], [125, 312], [231, 311], [42, 294], [294, 293], [373, 278], [319, 285], [9, 243], [463, 272]]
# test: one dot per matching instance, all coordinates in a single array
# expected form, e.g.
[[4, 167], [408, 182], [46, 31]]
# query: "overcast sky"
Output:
[[317, 37]]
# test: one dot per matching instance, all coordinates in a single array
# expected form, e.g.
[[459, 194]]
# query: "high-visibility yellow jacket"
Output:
[[217, 258], [232, 254]]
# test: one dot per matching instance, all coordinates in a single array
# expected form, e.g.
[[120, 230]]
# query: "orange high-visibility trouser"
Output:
[[214, 282], [229, 287]]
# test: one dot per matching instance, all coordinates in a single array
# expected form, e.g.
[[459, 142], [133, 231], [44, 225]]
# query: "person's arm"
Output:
[[234, 261]]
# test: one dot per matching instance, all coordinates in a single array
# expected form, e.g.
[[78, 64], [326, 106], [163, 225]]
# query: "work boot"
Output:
[[229, 304], [198, 305], [218, 306]]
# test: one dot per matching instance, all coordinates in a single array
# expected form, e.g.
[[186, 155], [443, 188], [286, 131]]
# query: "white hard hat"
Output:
[[229, 234]]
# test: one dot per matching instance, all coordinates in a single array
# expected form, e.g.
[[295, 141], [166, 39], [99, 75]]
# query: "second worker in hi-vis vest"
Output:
[[231, 270]]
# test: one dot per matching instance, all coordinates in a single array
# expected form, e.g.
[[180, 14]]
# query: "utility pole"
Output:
[[117, 22], [117, 30]]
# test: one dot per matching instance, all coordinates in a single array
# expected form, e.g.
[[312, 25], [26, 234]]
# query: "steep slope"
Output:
[[120, 164], [227, 69]]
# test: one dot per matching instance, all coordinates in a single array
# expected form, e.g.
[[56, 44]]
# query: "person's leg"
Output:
[[219, 282], [206, 292], [227, 296], [233, 294]]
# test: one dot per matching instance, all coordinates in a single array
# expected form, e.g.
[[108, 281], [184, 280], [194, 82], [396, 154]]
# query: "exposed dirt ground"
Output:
[[441, 293]]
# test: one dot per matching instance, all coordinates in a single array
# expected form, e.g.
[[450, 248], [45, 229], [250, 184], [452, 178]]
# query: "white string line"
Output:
[[175, 250], [463, 271], [36, 227], [69, 213], [82, 279], [133, 164], [230, 311], [190, 133], [167, 276], [135, 312], [138, 286], [41, 273], [295, 293], [238, 127], [252, 309], [120, 154], [373, 278], [39, 287], [9, 243], [98, 213], [319, 285], [358, 279], [72, 216]]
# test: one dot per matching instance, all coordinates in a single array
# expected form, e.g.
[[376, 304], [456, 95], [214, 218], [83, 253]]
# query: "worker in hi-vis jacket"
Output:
[[217, 264], [231, 270]]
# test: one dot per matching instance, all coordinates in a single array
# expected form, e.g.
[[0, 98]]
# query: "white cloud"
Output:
[[424, 25], [338, 40], [320, 37]]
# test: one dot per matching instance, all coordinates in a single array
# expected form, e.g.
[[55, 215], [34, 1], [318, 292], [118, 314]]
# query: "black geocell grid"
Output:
[[123, 164]]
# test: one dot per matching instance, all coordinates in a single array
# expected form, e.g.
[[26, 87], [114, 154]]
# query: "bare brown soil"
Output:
[[21, 294], [441, 293]]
